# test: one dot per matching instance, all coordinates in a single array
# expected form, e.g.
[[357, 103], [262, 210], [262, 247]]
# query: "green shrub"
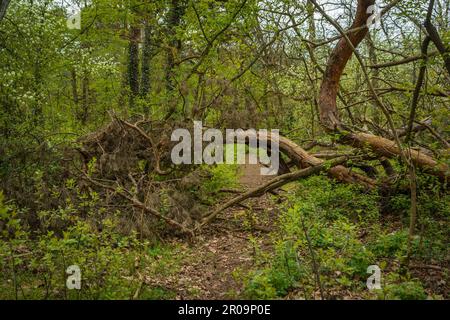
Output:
[[410, 290], [34, 266], [338, 199], [220, 176], [390, 245], [259, 286]]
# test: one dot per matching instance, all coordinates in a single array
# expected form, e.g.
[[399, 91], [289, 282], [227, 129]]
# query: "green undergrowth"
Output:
[[328, 234], [33, 266]]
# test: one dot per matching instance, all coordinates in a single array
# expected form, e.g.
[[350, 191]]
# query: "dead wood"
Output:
[[271, 185]]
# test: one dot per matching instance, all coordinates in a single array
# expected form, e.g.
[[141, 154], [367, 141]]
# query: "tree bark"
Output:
[[389, 149], [146, 57], [133, 64], [74, 83], [375, 74], [174, 20], [303, 159], [421, 77], [85, 98], [434, 36], [329, 116]]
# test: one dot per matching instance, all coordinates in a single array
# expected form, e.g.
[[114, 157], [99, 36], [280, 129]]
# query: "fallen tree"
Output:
[[155, 145], [110, 158], [330, 119], [329, 115], [303, 159]]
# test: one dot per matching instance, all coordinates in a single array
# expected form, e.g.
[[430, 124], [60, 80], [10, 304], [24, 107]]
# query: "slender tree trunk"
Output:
[[329, 115], [198, 96], [419, 83], [443, 49], [413, 210], [375, 74], [146, 59], [337, 61], [312, 37], [133, 65], [38, 116], [85, 98], [174, 20], [74, 83]]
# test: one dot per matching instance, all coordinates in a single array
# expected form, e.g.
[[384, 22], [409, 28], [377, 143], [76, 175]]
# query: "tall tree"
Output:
[[146, 59], [175, 14], [133, 64]]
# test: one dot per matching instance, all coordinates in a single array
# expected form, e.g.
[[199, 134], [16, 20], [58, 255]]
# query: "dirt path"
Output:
[[224, 248]]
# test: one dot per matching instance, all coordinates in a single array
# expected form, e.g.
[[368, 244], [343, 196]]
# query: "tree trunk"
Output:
[[146, 57], [434, 36], [312, 38], [329, 115], [85, 98], [133, 65], [174, 20], [375, 74], [74, 84]]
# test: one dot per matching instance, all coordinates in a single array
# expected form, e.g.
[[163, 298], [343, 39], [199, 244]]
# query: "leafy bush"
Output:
[[220, 176], [258, 286], [409, 290], [390, 245], [317, 228], [337, 199], [34, 266]]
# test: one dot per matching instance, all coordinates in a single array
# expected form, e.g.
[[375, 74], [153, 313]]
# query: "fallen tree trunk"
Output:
[[146, 144], [389, 149], [273, 184], [303, 159]]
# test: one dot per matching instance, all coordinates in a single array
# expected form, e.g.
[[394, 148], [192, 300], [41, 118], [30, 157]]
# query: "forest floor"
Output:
[[208, 269], [238, 253], [213, 267]]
